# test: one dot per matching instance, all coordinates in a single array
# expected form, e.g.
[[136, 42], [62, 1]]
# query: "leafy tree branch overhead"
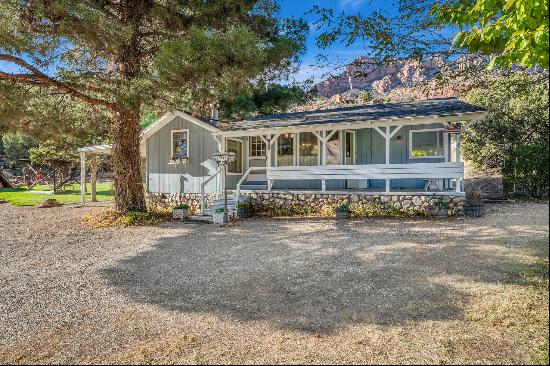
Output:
[[510, 32], [131, 58]]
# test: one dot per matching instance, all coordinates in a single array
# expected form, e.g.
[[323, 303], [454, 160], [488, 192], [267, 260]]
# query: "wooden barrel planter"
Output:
[[473, 211]]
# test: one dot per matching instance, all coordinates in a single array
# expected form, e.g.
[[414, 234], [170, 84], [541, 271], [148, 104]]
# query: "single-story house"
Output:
[[410, 148]]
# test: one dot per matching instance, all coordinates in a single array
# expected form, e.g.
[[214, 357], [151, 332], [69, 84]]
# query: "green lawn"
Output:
[[22, 197]]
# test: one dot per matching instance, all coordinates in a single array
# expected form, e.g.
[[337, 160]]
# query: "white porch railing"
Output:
[[374, 171], [203, 184], [243, 179]]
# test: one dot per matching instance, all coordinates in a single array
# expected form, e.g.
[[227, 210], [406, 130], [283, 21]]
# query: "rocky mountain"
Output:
[[379, 80]]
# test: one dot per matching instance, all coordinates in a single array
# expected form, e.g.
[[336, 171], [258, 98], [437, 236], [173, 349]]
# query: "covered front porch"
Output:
[[412, 155]]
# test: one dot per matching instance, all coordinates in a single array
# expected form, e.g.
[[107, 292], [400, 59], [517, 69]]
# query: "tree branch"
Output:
[[38, 76]]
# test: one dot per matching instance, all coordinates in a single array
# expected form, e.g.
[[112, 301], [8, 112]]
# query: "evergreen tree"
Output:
[[127, 58]]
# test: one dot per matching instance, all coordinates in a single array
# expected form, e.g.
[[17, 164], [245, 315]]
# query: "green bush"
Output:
[[138, 218], [378, 210], [526, 170], [182, 206]]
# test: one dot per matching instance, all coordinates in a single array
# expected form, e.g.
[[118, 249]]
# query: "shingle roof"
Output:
[[422, 108]]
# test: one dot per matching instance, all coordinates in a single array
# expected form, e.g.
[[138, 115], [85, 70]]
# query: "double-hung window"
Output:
[[426, 144]]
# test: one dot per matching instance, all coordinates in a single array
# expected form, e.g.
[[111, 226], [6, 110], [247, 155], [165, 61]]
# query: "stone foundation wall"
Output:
[[319, 202], [173, 199], [316, 202]]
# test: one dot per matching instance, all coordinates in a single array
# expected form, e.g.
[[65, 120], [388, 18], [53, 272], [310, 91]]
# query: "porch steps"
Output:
[[219, 203], [254, 186]]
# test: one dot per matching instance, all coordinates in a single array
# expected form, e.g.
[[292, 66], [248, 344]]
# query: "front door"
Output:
[[257, 158]]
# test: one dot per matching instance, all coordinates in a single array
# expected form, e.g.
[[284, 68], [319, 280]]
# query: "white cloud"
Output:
[[350, 3]]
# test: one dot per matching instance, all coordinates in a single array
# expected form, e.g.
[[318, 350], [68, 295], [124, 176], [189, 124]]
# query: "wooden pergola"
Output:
[[93, 151]]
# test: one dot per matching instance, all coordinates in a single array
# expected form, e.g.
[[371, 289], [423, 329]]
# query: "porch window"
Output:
[[426, 144], [236, 147], [334, 150], [257, 147], [285, 150], [180, 145], [308, 149]]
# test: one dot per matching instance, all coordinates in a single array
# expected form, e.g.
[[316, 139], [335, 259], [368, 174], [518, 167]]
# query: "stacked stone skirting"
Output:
[[165, 200], [317, 202]]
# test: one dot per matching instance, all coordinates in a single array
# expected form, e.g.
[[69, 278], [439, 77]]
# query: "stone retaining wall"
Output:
[[173, 199], [317, 202]]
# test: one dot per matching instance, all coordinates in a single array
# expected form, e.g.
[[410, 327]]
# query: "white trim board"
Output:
[[394, 122], [168, 117]]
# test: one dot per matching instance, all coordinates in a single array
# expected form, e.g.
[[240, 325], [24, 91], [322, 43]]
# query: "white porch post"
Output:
[[458, 157], [269, 140], [82, 177], [223, 148], [458, 152], [94, 178], [388, 136]]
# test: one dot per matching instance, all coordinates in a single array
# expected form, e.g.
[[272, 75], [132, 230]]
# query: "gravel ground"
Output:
[[268, 291]]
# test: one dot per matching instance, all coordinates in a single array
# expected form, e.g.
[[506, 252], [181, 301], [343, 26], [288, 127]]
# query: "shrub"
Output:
[[378, 210], [364, 96], [111, 218], [219, 210], [182, 206], [344, 207], [244, 204], [526, 170], [442, 205], [473, 198]]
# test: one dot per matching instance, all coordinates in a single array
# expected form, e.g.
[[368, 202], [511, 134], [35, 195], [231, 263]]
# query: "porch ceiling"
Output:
[[425, 111]]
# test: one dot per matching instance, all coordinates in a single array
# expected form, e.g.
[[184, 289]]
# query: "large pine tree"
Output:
[[129, 57]]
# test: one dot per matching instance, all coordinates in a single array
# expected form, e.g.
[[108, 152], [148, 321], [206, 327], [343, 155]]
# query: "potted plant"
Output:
[[218, 216], [441, 209], [473, 204], [245, 209], [181, 211], [343, 211]]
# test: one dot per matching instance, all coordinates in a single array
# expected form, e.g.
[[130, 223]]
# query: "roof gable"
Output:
[[168, 117]]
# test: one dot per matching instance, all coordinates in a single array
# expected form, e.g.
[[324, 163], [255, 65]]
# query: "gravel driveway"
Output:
[[269, 291]]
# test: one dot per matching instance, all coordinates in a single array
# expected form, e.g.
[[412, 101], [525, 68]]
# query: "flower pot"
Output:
[[218, 218], [473, 211], [342, 214], [245, 212], [440, 212], [180, 213]]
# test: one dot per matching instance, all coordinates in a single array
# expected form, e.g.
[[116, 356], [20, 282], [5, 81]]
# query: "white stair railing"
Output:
[[243, 179], [203, 184]]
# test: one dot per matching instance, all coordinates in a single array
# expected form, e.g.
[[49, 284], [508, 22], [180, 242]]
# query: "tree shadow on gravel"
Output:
[[311, 275]]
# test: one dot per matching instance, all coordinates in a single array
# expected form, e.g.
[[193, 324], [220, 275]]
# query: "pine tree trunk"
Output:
[[128, 185]]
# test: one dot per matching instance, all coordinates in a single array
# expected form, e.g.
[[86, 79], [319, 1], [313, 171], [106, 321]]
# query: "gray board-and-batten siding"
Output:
[[163, 177]]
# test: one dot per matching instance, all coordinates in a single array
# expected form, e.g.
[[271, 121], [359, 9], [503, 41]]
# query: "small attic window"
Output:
[[180, 145]]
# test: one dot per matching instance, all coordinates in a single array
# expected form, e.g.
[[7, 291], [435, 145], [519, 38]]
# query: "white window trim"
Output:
[[411, 131], [242, 157], [298, 148], [276, 163], [354, 152], [250, 156], [172, 144]]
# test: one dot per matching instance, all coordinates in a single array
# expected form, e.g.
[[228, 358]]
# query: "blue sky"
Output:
[[298, 8]]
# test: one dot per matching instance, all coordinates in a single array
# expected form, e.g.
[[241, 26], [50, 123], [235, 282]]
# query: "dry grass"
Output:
[[276, 291]]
